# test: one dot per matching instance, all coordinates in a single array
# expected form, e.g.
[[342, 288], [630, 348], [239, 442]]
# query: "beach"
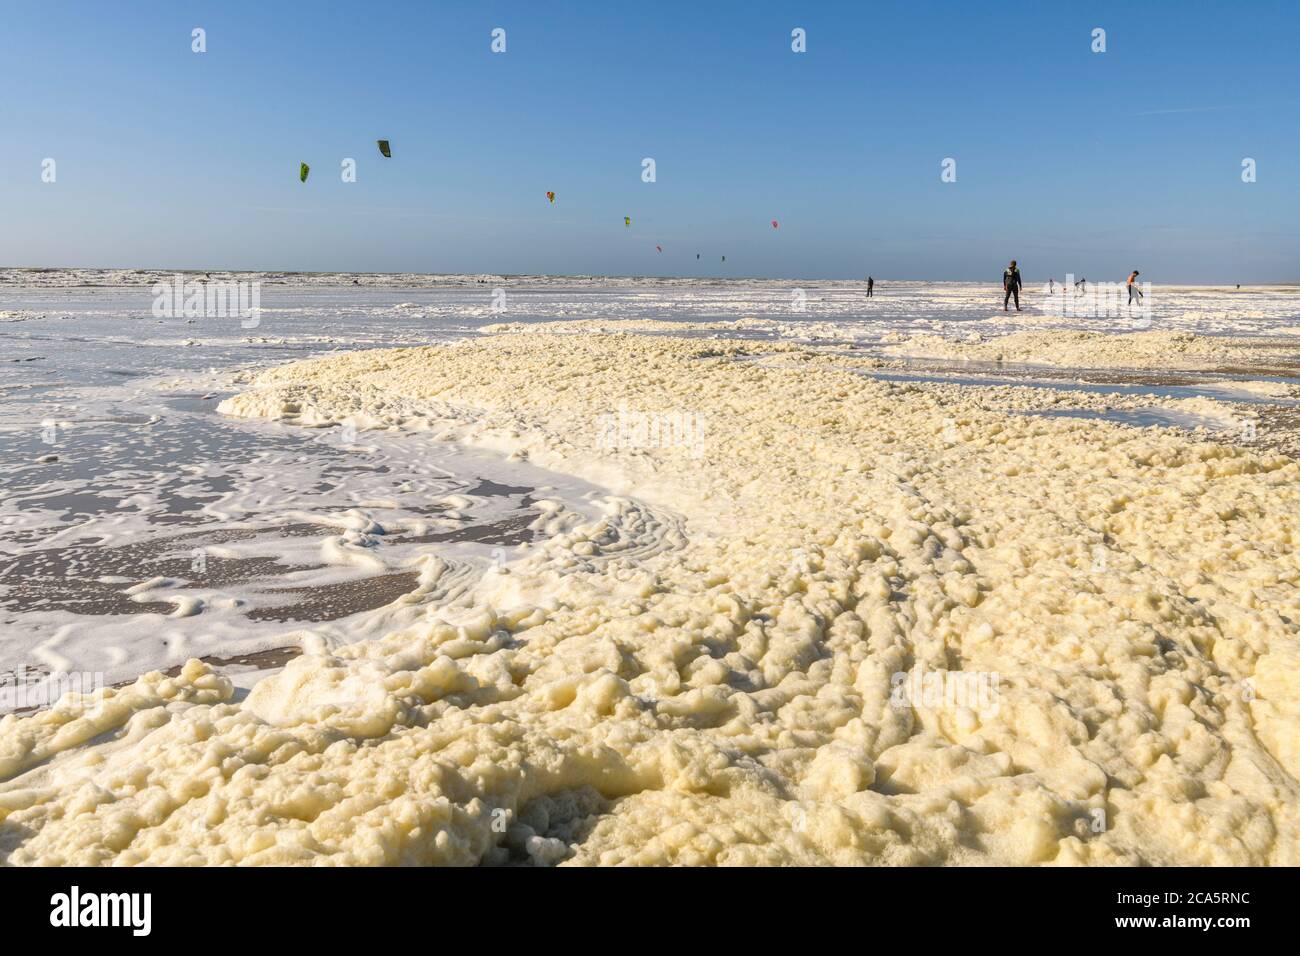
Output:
[[653, 572]]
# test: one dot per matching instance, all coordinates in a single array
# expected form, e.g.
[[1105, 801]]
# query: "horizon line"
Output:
[[576, 275]]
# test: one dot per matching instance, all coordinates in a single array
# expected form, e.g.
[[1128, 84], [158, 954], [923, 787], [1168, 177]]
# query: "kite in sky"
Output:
[[383, 148], [303, 170]]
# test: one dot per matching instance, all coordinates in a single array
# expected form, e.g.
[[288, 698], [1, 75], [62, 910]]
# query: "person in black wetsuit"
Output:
[[871, 284], [1011, 285]]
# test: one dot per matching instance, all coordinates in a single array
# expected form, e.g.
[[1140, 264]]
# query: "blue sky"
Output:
[[1067, 160]]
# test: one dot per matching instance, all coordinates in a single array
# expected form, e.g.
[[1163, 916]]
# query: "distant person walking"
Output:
[[1133, 288], [871, 284], [1051, 287], [1011, 285]]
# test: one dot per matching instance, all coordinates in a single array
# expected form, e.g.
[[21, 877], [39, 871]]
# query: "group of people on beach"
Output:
[[1011, 285]]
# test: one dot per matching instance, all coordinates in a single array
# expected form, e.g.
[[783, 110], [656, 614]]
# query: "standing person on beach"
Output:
[[1133, 287], [871, 284], [1011, 285]]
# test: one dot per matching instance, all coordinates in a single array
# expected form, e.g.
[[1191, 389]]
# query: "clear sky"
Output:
[[1066, 159]]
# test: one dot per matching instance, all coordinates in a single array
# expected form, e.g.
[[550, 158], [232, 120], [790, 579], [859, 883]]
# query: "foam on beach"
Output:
[[1159, 349], [849, 621]]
